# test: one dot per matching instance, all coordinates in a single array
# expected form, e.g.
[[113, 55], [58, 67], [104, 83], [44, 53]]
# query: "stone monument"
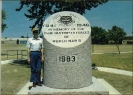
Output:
[[67, 66], [67, 43]]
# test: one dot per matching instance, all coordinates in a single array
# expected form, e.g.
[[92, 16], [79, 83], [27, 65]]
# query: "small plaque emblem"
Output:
[[66, 20]]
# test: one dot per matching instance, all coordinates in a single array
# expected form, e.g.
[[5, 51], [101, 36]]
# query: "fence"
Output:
[[18, 53]]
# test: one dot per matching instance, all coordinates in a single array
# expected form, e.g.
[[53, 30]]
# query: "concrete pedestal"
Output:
[[95, 89]]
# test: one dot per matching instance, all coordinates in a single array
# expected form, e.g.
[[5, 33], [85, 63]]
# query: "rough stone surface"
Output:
[[76, 72], [95, 89], [68, 74]]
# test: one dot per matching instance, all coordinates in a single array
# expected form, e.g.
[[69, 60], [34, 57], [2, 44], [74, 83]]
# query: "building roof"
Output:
[[4, 39]]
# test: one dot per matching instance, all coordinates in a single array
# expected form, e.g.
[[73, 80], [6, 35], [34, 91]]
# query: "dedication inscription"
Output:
[[67, 44], [66, 29]]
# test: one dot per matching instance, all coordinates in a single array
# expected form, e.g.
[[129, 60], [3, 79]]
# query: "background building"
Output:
[[128, 40], [14, 40]]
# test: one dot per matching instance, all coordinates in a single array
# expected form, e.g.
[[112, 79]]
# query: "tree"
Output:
[[39, 9], [117, 35], [4, 16], [99, 35], [22, 36]]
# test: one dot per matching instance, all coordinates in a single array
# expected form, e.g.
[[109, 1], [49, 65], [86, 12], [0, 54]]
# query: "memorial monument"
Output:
[[67, 66], [67, 43]]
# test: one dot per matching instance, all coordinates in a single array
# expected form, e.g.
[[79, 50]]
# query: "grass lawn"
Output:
[[110, 48], [15, 76], [95, 49], [120, 82], [120, 61], [5, 47]]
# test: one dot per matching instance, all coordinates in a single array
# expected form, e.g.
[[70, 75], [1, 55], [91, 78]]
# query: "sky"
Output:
[[107, 15]]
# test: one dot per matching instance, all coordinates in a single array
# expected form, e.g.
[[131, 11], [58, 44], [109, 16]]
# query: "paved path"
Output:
[[116, 71], [24, 90], [12, 61], [114, 52], [105, 69]]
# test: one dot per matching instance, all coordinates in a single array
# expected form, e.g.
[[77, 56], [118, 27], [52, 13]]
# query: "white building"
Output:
[[14, 40]]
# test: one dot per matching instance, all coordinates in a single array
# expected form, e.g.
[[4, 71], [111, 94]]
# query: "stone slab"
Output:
[[111, 89], [25, 89], [95, 88]]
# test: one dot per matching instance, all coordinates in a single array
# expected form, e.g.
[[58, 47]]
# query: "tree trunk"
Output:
[[92, 48], [118, 48]]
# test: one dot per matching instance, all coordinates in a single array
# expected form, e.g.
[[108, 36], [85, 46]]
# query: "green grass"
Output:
[[13, 47], [120, 82], [96, 48], [12, 54], [110, 48], [14, 77], [119, 61]]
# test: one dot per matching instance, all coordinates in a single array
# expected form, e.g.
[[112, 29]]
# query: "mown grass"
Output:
[[110, 48], [15, 76], [12, 54], [120, 82], [13, 47], [95, 49], [120, 61]]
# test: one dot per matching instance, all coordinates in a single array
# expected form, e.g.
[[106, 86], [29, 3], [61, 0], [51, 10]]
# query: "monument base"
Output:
[[95, 88]]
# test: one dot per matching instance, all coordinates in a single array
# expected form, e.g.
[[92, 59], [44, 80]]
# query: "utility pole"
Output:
[[27, 36]]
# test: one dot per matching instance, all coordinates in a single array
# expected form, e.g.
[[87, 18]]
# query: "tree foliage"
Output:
[[99, 35], [39, 9], [116, 34], [4, 16], [22, 36]]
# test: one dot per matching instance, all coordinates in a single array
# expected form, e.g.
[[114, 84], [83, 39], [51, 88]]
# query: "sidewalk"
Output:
[[116, 71], [25, 90], [13, 61], [114, 52], [105, 69], [49, 90]]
